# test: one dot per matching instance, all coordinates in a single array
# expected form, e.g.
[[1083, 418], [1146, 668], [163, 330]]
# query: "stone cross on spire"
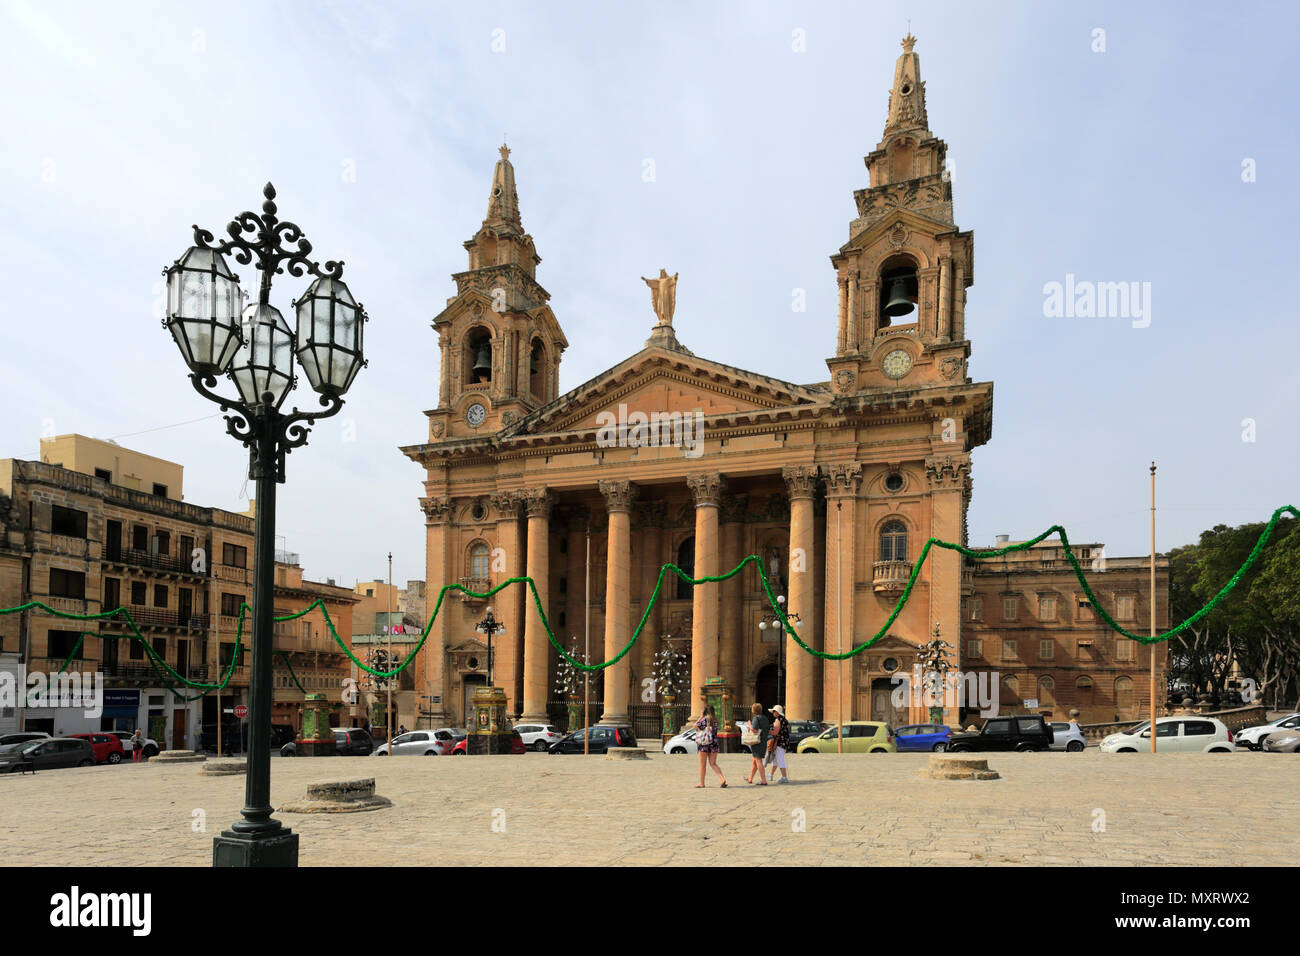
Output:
[[907, 97]]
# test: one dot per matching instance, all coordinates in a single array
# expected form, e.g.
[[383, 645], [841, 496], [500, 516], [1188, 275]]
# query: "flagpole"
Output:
[[1152, 645], [389, 629], [586, 655]]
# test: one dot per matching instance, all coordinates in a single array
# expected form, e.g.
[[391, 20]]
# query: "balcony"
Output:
[[133, 557], [69, 605], [51, 665], [228, 572], [479, 586], [968, 581], [132, 670], [890, 577], [161, 617]]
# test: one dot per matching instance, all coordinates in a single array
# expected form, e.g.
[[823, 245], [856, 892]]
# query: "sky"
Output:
[[1150, 143]]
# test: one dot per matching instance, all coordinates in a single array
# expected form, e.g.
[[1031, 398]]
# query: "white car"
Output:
[[1253, 737], [419, 743], [1174, 735], [1067, 736], [683, 743], [537, 737], [150, 745]]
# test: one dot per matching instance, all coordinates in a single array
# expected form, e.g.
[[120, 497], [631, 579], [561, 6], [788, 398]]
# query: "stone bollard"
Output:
[[626, 753], [224, 767], [958, 767], [179, 756], [345, 796]]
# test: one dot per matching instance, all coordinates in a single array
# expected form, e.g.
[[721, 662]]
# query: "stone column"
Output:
[[707, 489], [538, 502], [842, 481], [731, 663], [843, 314], [851, 327], [800, 666], [508, 603], [618, 495], [947, 476], [439, 570], [959, 303], [945, 299]]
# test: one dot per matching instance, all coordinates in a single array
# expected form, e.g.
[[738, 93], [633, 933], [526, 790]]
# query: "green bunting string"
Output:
[[160, 664]]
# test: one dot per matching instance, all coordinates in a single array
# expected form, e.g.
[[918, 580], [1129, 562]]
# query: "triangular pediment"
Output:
[[910, 221], [664, 382]]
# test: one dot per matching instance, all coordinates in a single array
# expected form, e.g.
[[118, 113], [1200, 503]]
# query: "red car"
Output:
[[516, 745], [107, 747]]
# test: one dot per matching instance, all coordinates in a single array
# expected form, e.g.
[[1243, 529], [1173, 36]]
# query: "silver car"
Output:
[[1282, 742], [1067, 736], [538, 737], [1252, 737], [418, 743]]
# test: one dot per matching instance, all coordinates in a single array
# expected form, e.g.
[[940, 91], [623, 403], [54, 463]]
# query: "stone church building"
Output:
[[671, 457]]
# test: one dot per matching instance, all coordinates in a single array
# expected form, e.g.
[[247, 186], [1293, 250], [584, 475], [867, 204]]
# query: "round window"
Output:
[[479, 511], [893, 481], [473, 663], [890, 664], [905, 88]]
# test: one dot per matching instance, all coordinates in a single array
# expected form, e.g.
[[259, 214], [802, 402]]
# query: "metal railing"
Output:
[[50, 665], [156, 562]]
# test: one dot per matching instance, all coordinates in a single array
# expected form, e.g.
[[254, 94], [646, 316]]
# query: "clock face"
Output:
[[475, 415], [897, 363]]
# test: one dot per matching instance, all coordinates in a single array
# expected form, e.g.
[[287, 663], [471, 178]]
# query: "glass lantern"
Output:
[[203, 303], [329, 335], [264, 362]]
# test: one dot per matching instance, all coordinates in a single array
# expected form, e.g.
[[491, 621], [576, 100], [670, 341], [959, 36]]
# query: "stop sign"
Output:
[[241, 711]]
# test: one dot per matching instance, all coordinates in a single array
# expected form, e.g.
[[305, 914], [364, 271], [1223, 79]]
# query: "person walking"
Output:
[[758, 728], [778, 743], [137, 746], [706, 739]]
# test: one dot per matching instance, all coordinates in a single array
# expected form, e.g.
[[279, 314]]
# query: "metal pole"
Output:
[[1152, 647], [390, 654], [586, 659], [839, 622]]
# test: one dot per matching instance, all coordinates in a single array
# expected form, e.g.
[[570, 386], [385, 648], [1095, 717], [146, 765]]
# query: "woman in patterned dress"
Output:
[[706, 739]]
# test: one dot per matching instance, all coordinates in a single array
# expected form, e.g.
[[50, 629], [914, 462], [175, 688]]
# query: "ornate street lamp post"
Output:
[[933, 658], [773, 620], [256, 350], [490, 626]]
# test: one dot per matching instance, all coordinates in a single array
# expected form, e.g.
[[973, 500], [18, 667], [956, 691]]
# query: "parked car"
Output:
[[348, 742], [538, 736], [1067, 736], [46, 754], [802, 729], [1174, 735], [107, 747], [516, 745], [1023, 732], [602, 738], [150, 748], [23, 737], [1253, 737], [860, 737], [1283, 742], [424, 743], [683, 743], [933, 737]]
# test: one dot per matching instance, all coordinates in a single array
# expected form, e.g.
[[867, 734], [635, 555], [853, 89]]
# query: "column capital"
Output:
[[734, 508], [707, 488], [801, 480], [842, 479], [619, 493], [437, 510], [538, 501], [504, 505], [947, 472]]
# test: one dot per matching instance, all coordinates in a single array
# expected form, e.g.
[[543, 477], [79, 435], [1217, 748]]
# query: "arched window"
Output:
[[537, 370], [1046, 692], [479, 561], [893, 542], [478, 356], [899, 291], [1010, 690], [686, 561], [1124, 703]]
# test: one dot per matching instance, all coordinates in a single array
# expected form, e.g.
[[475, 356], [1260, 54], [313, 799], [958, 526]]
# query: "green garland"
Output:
[[978, 555]]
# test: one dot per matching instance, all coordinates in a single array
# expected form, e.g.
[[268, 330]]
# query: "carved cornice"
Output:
[[437, 510], [707, 488], [538, 501], [842, 479], [650, 515], [801, 480], [619, 493], [947, 472]]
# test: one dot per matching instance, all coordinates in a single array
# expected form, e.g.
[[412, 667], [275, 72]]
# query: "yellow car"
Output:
[[860, 737]]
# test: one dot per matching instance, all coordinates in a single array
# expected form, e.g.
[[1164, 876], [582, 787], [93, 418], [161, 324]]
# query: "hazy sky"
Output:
[[379, 125]]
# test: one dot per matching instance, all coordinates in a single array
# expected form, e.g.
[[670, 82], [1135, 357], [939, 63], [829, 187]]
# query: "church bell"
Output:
[[899, 303], [483, 361]]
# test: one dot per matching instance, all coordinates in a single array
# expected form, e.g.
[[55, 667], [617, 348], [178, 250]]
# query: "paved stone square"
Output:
[[857, 809]]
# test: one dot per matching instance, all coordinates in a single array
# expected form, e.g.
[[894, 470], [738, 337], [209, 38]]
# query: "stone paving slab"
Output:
[[851, 809]]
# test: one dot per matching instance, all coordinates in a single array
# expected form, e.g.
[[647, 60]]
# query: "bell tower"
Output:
[[500, 343], [903, 273]]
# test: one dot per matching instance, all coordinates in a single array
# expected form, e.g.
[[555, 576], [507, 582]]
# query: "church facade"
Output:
[[670, 457]]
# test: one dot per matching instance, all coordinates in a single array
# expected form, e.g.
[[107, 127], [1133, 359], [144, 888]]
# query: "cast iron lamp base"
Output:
[[233, 849]]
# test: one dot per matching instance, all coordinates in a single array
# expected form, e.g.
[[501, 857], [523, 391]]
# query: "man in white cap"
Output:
[[777, 742]]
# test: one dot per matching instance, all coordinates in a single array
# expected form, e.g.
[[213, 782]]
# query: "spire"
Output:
[[907, 97], [503, 205]]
